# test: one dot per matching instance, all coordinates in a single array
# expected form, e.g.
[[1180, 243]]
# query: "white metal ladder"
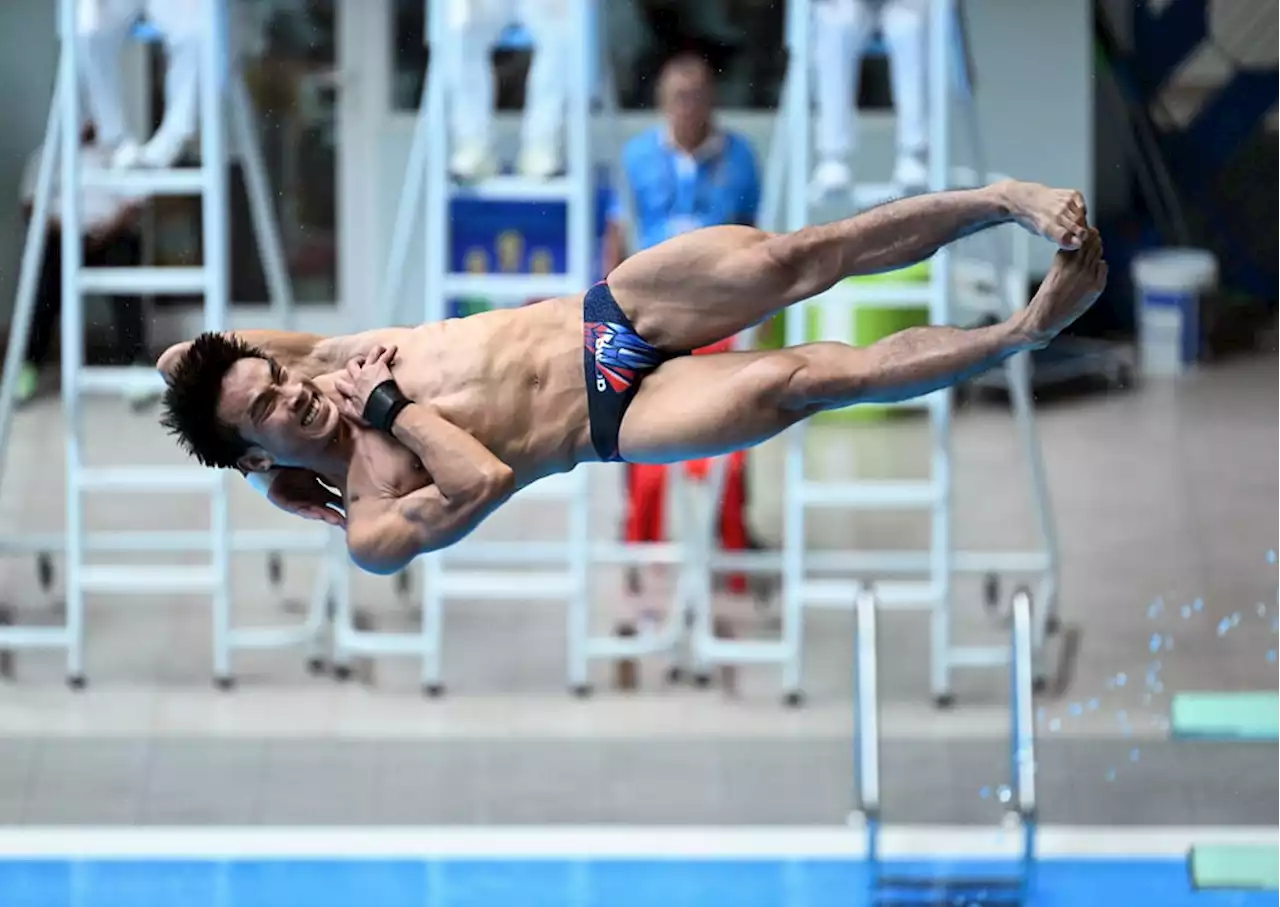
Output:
[[932, 495], [515, 571], [209, 181]]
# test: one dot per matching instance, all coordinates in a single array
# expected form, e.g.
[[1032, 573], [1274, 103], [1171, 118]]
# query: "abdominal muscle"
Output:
[[511, 378]]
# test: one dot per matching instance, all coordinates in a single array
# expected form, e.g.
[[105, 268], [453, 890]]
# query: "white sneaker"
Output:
[[829, 177], [162, 151], [471, 162], [540, 162], [910, 173], [126, 155]]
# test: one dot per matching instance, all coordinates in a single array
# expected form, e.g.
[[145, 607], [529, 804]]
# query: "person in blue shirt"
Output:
[[685, 173]]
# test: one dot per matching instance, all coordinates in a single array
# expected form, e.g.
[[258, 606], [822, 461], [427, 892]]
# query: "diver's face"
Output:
[[288, 418]]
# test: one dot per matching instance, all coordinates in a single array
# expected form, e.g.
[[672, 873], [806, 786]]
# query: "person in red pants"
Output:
[[646, 495], [684, 173]]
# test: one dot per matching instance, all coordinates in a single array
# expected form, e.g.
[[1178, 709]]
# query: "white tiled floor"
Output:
[[1165, 493]]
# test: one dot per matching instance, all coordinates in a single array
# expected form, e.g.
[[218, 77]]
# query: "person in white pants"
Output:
[[475, 26], [841, 33], [103, 26]]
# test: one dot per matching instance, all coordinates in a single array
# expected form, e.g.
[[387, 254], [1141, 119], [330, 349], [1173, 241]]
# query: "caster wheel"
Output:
[[402, 583], [945, 701], [433, 690], [794, 699], [702, 681], [582, 690], [1052, 624], [315, 666], [44, 571], [76, 681], [674, 674], [1039, 685], [275, 568], [342, 672], [224, 684], [991, 591]]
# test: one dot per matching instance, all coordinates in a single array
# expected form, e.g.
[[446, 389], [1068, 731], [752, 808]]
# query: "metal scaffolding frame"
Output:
[[85, 573], [830, 579]]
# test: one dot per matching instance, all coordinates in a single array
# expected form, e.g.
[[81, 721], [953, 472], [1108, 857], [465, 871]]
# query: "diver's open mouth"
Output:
[[313, 410]]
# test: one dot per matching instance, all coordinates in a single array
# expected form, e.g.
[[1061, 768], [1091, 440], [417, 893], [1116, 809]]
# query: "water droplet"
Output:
[[1154, 645], [1075, 709], [1271, 656], [1122, 679], [1093, 705], [985, 793], [1198, 604], [1155, 608], [1168, 643], [1235, 619], [1004, 793], [1186, 612], [1223, 626], [1271, 557], [1040, 715], [1133, 754], [1157, 688], [1111, 774], [1055, 725]]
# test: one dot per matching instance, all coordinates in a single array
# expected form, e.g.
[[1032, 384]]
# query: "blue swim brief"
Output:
[[615, 359]]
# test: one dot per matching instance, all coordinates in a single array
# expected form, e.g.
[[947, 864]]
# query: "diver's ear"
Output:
[[255, 460]]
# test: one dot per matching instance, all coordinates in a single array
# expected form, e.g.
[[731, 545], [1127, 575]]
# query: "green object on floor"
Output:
[[1251, 867], [28, 382], [1226, 716], [869, 324]]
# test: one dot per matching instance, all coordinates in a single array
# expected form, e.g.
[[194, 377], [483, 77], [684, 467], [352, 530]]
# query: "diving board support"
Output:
[[222, 97]]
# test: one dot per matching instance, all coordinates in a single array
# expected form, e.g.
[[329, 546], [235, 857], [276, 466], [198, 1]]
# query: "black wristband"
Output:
[[384, 404]]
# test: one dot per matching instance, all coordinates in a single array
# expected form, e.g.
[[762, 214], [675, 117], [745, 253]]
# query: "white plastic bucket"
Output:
[[1169, 284]]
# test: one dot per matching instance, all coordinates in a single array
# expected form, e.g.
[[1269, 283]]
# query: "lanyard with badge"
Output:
[[689, 185]]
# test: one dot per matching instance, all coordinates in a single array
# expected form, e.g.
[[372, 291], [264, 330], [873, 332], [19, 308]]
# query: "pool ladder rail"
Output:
[[896, 884]]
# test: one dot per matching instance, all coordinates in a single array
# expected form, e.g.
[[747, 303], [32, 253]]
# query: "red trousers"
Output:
[[646, 495]]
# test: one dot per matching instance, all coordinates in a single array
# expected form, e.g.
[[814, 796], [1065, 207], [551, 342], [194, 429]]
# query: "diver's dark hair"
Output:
[[191, 400]]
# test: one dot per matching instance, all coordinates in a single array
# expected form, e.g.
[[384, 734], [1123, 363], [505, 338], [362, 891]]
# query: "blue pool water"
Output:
[[547, 883]]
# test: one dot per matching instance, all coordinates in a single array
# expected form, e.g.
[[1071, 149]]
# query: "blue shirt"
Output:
[[673, 192]]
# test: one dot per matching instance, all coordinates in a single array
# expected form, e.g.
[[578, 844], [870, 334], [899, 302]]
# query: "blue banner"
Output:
[[517, 237]]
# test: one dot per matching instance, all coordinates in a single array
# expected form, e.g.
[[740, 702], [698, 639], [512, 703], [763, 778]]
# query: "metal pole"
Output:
[[72, 331], [796, 110], [940, 314], [33, 251]]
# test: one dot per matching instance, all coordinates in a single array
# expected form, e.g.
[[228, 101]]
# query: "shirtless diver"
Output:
[[424, 431]]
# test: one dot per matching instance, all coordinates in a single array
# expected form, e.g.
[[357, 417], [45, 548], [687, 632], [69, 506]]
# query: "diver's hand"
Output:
[[364, 373], [300, 492]]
